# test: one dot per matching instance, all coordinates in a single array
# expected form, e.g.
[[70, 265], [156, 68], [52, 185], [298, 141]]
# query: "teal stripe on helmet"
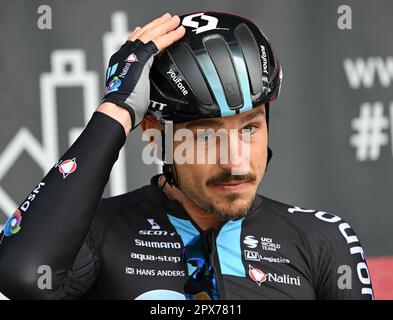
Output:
[[215, 84]]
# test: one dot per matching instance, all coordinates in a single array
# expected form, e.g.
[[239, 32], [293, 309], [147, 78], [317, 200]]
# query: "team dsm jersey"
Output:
[[131, 246]]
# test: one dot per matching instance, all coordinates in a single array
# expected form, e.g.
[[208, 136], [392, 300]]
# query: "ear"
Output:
[[150, 122]]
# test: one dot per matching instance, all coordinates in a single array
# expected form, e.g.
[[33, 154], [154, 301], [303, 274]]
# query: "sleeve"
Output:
[[339, 264], [47, 249]]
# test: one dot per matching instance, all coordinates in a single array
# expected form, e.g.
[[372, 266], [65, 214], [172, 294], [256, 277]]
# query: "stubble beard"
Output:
[[219, 213]]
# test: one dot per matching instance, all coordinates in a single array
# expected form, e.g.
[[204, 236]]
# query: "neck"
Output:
[[201, 217]]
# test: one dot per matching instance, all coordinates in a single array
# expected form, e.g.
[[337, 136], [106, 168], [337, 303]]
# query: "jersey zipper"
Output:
[[215, 263]]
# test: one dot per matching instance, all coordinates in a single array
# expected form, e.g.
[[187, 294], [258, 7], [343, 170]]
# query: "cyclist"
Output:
[[199, 230]]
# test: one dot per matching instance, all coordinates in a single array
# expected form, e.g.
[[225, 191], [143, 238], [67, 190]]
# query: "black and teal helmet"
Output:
[[224, 65]]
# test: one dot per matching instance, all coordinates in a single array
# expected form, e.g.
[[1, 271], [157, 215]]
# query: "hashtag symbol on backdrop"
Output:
[[370, 133]]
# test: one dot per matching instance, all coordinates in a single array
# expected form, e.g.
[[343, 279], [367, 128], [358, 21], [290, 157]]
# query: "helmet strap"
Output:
[[269, 151], [168, 170]]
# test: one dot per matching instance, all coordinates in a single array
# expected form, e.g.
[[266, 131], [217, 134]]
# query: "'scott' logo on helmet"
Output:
[[191, 21]]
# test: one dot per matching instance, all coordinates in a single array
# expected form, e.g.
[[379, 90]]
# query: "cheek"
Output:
[[259, 151], [194, 176], [259, 157], [191, 175], [183, 174]]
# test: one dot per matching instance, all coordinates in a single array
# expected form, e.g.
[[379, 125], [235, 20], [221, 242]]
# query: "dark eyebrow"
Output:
[[249, 116], [203, 123], [211, 123]]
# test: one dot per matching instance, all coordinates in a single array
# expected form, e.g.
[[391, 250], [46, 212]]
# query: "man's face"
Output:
[[227, 187]]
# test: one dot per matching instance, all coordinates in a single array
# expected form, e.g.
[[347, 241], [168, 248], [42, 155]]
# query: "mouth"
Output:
[[232, 186]]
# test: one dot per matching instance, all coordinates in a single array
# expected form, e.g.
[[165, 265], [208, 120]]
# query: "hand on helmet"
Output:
[[127, 76]]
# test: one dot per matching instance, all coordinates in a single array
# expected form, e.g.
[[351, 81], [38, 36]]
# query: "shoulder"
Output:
[[132, 199], [319, 225], [120, 205], [334, 251], [330, 240]]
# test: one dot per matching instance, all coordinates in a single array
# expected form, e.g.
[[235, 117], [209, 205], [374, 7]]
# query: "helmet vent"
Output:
[[220, 55], [189, 67], [250, 50]]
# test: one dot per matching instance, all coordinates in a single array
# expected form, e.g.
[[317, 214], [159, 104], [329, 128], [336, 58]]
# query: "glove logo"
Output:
[[111, 70], [115, 82], [132, 58], [211, 23], [113, 85]]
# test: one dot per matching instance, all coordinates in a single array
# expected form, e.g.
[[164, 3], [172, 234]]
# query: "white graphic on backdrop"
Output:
[[68, 69], [371, 127], [45, 154], [364, 73]]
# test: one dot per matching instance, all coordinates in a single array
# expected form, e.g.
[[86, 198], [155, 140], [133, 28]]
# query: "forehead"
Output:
[[220, 122]]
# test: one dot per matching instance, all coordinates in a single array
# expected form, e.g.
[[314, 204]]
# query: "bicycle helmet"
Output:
[[224, 65]]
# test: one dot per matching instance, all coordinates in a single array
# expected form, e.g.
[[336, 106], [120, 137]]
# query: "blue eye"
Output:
[[250, 128]]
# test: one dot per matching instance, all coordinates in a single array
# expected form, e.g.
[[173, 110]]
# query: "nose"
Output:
[[234, 152]]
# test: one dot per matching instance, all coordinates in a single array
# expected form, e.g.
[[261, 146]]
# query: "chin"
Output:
[[231, 210], [237, 199]]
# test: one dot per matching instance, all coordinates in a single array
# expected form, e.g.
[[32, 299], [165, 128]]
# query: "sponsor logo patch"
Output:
[[268, 244], [192, 22], [113, 85], [155, 230], [149, 257], [258, 276], [66, 167], [13, 224], [177, 81], [250, 242], [154, 272], [132, 58], [256, 256], [157, 244]]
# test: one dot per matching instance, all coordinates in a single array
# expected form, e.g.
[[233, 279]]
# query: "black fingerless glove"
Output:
[[127, 78]]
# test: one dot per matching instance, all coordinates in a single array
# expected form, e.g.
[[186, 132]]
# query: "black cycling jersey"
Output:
[[131, 246]]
